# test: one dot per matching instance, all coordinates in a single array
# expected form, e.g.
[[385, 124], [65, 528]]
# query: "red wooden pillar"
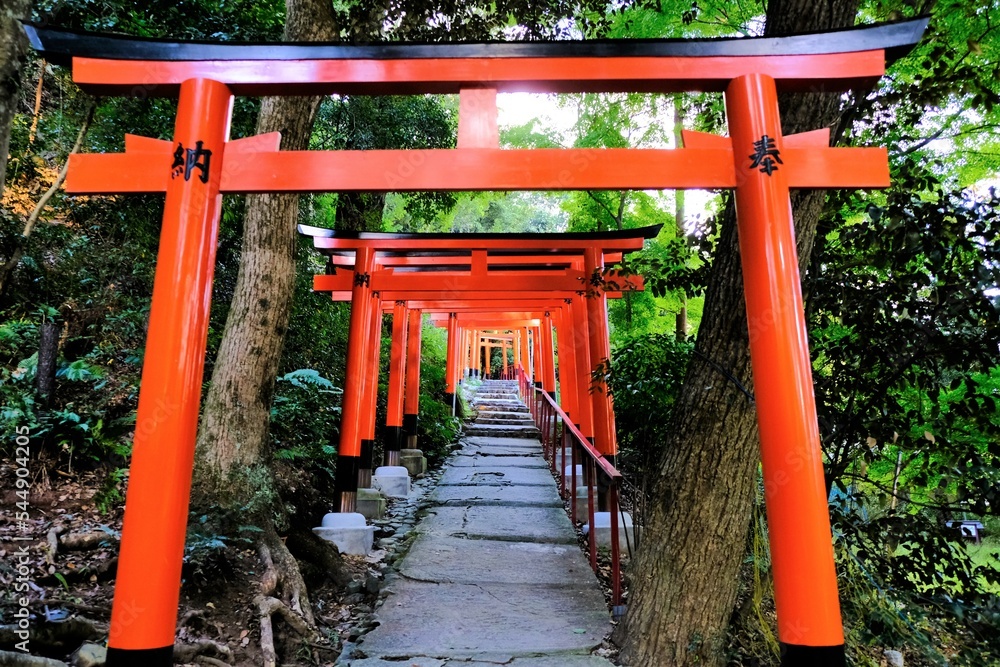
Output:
[[805, 582], [581, 347], [144, 613], [487, 353], [352, 422], [451, 361], [411, 403], [567, 365], [526, 367], [536, 349], [548, 356], [367, 461], [397, 376], [474, 354], [600, 352], [518, 359]]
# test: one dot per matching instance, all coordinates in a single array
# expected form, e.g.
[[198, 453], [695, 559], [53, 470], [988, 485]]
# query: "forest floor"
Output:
[[69, 546]]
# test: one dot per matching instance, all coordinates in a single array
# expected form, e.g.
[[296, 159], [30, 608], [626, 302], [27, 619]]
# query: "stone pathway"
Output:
[[494, 574]]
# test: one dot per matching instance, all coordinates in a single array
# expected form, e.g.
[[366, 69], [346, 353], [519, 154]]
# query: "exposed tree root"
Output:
[[268, 606], [188, 653], [290, 583], [15, 659], [65, 635]]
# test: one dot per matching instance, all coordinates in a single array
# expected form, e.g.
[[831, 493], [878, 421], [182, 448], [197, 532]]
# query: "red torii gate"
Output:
[[485, 273], [198, 166]]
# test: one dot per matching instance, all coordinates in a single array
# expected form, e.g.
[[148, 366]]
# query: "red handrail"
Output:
[[548, 415]]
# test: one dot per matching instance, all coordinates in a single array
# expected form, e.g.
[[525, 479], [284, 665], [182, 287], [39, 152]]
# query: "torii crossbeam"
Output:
[[200, 164]]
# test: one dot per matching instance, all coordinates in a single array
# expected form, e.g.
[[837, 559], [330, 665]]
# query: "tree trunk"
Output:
[[234, 426], [685, 578], [48, 354], [13, 50]]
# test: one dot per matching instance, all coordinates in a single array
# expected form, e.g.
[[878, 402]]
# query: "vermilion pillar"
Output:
[[144, 613], [805, 583], [536, 355], [474, 354], [374, 351], [581, 348], [600, 351], [517, 349], [451, 361], [397, 376], [352, 424], [411, 406], [548, 356], [487, 353], [525, 352], [567, 365]]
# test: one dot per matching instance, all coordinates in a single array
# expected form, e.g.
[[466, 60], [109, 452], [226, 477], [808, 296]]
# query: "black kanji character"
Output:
[[765, 155], [177, 168], [187, 160]]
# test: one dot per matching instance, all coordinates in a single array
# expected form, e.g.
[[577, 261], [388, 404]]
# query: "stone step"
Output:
[[483, 420], [503, 409], [500, 414], [502, 431]]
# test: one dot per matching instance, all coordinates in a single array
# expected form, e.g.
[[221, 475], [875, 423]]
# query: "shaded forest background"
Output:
[[901, 289]]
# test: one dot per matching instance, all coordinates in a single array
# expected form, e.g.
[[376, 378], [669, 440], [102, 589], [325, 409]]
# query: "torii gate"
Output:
[[485, 273], [194, 169]]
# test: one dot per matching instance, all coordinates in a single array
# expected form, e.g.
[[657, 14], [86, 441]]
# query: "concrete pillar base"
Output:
[[582, 507], [393, 481], [370, 504], [414, 461], [348, 531], [602, 520]]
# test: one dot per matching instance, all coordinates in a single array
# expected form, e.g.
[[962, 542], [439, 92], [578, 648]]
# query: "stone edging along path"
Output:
[[491, 573]]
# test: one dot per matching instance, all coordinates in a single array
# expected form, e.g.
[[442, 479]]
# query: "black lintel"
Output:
[[60, 46]]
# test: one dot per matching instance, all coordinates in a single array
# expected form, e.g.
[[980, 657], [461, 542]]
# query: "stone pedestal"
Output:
[[568, 471], [348, 531], [393, 481], [602, 520], [581, 504], [370, 504], [414, 461]]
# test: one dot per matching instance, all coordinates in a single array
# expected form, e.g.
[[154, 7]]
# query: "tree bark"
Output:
[[48, 353], [13, 51], [234, 426], [685, 577]]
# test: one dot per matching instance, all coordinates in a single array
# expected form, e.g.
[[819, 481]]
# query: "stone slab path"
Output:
[[494, 574]]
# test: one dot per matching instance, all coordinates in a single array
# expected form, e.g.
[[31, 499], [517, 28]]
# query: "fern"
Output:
[[305, 377]]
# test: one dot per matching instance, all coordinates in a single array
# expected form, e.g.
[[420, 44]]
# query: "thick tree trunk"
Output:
[[235, 420], [13, 49], [685, 575]]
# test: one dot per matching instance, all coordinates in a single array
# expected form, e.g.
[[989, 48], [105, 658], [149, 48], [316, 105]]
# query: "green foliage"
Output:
[[438, 430], [305, 418], [645, 378]]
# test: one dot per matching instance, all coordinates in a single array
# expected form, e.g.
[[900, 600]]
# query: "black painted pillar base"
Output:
[[538, 385], [410, 431], [793, 655], [393, 438], [346, 483], [365, 464], [449, 399], [147, 657]]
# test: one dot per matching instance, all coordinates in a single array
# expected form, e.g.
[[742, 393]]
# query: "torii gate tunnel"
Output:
[[201, 163]]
